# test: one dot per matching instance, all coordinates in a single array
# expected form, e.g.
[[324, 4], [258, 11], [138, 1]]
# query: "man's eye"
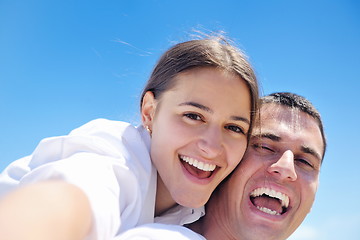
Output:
[[235, 129], [304, 162], [193, 116], [263, 148]]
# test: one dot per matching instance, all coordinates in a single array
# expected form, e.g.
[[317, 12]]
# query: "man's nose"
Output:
[[284, 167], [211, 142]]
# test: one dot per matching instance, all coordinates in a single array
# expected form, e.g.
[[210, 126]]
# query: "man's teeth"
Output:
[[200, 165], [284, 199], [269, 211]]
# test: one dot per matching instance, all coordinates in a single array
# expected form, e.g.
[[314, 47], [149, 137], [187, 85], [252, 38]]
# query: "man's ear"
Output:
[[148, 108]]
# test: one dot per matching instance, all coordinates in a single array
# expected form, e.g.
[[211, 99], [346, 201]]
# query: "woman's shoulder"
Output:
[[156, 231], [112, 131], [102, 125]]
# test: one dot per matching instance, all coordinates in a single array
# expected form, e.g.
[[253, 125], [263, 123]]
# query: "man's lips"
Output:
[[270, 201], [197, 168]]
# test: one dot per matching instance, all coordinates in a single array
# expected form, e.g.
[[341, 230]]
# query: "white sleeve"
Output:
[[112, 189], [108, 160], [158, 231], [11, 175]]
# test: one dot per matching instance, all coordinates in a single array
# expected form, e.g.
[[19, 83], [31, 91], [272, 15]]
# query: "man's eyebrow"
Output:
[[207, 109], [276, 138], [311, 151], [270, 136]]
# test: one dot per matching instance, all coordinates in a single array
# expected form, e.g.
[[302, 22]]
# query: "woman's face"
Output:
[[199, 132]]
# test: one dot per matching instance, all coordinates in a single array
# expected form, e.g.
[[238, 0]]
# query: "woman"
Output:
[[108, 176]]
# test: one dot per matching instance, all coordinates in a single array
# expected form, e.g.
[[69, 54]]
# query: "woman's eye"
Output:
[[193, 116], [235, 129]]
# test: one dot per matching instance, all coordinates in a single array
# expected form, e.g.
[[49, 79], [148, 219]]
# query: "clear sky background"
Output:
[[63, 63]]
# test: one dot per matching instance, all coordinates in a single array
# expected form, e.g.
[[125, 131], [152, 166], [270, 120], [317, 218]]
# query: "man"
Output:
[[273, 188]]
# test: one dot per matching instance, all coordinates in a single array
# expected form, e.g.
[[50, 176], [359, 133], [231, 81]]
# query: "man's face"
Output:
[[276, 182]]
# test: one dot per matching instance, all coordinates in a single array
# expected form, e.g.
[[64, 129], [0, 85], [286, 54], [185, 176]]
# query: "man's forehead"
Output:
[[292, 118], [286, 123], [281, 123]]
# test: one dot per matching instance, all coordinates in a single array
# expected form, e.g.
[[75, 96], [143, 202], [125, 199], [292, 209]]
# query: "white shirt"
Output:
[[110, 162], [158, 231]]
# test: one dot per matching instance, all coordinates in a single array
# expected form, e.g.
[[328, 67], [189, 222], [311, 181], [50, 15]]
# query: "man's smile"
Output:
[[269, 201]]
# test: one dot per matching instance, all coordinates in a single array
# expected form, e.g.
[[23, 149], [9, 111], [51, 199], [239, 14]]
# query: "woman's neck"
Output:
[[164, 200]]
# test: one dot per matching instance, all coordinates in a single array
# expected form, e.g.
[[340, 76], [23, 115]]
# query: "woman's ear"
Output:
[[148, 108]]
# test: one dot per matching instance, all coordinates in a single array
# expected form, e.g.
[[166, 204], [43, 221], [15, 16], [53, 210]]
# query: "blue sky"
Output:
[[63, 63]]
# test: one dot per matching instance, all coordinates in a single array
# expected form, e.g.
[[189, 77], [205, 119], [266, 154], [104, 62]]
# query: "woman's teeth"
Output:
[[199, 165]]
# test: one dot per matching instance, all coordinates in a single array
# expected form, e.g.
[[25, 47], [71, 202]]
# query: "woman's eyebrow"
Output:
[[242, 119], [197, 105], [207, 109]]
